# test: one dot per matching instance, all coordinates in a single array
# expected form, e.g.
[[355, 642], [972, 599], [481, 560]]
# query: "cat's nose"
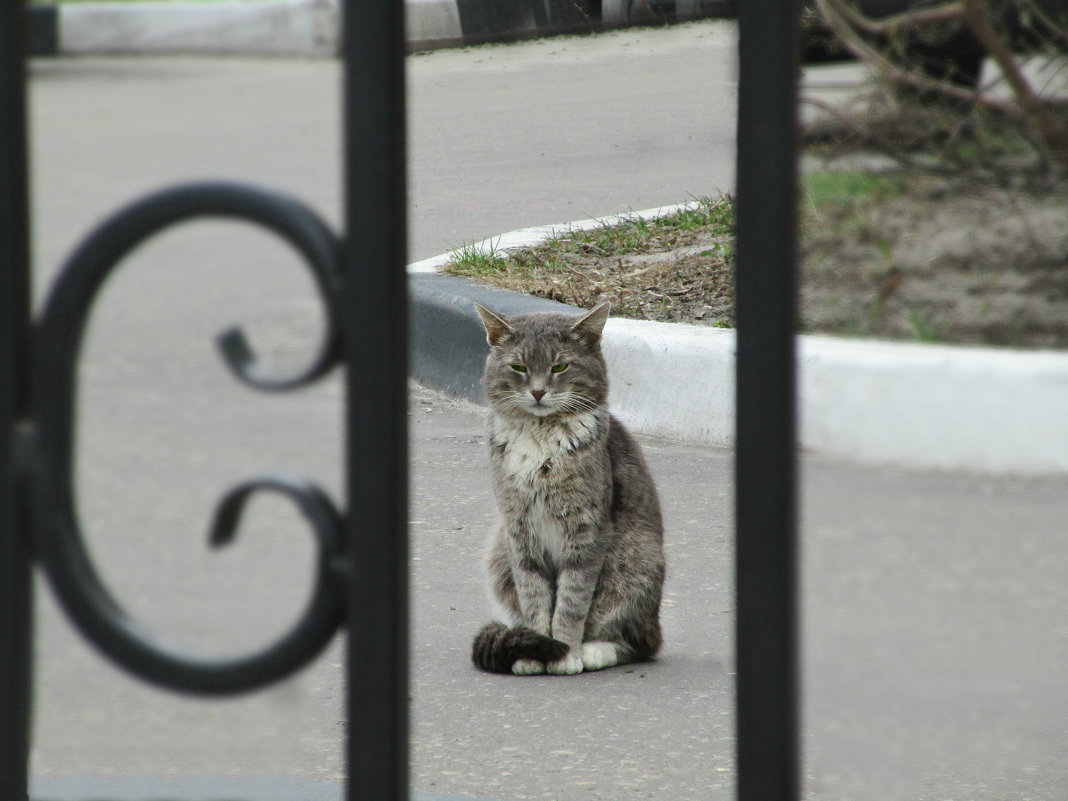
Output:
[[537, 393]]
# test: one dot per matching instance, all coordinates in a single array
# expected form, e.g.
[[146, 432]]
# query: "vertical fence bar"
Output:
[[15, 588], [766, 472], [376, 327]]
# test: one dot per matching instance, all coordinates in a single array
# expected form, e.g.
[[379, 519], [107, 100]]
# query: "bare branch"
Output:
[[972, 140], [887, 26], [831, 11], [1054, 135]]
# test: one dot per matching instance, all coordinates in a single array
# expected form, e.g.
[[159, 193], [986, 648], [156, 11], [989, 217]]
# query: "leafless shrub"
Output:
[[934, 120]]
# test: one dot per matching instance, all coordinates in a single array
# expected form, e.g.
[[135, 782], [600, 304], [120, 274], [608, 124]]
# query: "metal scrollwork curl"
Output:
[[60, 546]]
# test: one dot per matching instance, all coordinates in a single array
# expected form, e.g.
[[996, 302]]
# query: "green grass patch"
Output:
[[627, 237], [847, 189], [473, 259], [845, 205], [635, 235]]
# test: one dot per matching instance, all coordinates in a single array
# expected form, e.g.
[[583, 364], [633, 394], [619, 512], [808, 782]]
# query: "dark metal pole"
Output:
[[15, 588], [766, 472], [376, 326]]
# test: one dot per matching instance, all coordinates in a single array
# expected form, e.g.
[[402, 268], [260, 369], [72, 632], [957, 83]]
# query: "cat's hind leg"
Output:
[[621, 642]]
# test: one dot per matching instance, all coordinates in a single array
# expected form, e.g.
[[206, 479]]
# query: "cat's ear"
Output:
[[591, 325], [497, 327]]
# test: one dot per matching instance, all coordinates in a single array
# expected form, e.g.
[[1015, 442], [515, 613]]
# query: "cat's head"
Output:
[[545, 364]]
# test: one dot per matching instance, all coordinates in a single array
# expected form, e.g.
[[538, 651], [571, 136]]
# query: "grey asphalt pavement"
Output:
[[934, 603]]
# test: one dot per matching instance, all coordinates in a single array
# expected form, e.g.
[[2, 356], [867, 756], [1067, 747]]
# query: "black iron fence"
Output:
[[765, 461], [15, 550], [362, 577]]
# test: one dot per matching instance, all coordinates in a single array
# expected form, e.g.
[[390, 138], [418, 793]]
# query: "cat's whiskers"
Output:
[[574, 402], [507, 400]]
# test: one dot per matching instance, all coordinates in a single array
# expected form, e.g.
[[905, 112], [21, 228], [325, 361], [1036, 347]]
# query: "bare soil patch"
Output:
[[959, 262]]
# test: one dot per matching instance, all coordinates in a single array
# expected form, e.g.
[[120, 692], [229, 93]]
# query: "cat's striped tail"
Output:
[[497, 647]]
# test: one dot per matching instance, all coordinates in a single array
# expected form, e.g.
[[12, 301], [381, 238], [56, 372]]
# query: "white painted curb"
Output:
[[432, 21], [1003, 411], [251, 27], [531, 237], [269, 27], [929, 406]]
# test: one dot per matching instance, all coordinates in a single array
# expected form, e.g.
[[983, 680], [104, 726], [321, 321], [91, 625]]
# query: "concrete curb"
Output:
[[925, 406], [265, 27], [288, 27]]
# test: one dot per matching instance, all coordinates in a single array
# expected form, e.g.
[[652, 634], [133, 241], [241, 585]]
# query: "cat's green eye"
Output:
[[519, 368], [559, 368]]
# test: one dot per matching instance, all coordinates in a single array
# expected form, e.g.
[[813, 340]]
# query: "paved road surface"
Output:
[[934, 603]]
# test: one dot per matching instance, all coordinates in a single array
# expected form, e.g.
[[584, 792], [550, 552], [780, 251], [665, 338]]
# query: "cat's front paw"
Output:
[[568, 666], [599, 655], [528, 667]]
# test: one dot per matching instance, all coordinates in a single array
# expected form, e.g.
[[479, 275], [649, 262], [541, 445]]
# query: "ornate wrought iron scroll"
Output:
[[361, 577], [59, 543]]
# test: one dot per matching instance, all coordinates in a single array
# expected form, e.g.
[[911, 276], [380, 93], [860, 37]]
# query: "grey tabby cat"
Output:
[[576, 560]]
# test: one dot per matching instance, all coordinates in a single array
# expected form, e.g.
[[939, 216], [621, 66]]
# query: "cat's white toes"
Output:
[[528, 667], [599, 655], [568, 666]]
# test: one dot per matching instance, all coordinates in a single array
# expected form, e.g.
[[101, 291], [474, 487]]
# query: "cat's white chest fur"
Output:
[[531, 445], [529, 449]]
